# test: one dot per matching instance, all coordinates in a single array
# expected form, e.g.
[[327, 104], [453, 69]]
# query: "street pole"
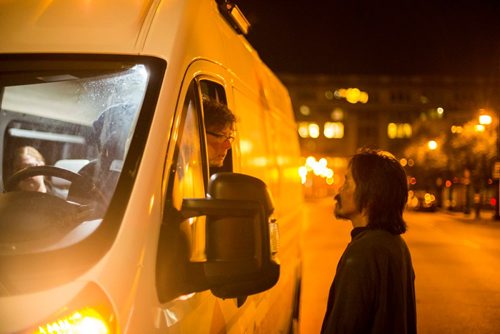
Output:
[[496, 216]]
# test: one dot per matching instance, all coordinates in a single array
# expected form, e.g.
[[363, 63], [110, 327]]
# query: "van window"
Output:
[[188, 177], [181, 249], [215, 92], [67, 122]]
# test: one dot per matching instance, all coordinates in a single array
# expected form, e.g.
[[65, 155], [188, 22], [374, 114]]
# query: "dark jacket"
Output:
[[373, 290]]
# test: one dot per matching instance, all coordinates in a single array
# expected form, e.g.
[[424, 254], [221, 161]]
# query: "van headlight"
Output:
[[86, 320], [90, 312]]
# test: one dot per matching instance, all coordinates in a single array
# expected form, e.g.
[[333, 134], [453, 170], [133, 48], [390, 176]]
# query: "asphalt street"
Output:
[[455, 257]]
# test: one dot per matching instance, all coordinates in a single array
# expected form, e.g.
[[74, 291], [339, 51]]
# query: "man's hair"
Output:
[[381, 189], [217, 115]]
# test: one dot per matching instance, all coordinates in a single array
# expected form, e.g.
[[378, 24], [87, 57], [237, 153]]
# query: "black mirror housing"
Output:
[[241, 237]]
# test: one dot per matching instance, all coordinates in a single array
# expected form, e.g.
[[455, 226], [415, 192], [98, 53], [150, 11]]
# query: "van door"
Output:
[[181, 284]]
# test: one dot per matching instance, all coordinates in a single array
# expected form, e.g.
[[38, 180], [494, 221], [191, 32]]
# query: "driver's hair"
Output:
[[26, 151]]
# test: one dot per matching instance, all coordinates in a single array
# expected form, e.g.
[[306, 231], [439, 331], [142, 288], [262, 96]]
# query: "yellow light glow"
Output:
[[340, 93], [310, 160], [440, 111], [329, 173], [399, 130], [456, 129], [259, 161], [303, 130], [86, 320], [479, 128], [303, 174], [429, 198], [392, 130], [305, 110], [333, 130], [432, 145], [363, 97], [485, 120], [151, 203], [337, 114], [314, 130], [407, 130], [246, 146], [318, 168], [352, 95]]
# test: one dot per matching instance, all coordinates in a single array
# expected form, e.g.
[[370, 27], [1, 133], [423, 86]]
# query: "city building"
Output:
[[338, 114]]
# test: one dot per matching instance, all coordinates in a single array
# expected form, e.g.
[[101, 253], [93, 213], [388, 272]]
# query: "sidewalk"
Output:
[[486, 217]]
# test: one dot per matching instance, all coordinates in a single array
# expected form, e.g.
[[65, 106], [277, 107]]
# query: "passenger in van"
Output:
[[373, 290], [28, 156], [220, 128]]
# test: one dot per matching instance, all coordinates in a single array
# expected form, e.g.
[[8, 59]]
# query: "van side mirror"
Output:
[[241, 237]]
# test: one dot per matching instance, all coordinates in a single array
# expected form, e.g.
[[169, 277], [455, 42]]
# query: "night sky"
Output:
[[435, 37]]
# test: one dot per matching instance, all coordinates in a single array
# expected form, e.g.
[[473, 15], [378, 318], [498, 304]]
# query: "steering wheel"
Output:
[[82, 183]]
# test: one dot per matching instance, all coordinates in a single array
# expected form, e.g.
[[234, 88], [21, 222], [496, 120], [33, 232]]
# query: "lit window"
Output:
[[485, 119], [334, 130], [305, 110], [337, 114], [399, 130], [407, 130], [392, 130], [313, 130], [303, 130], [456, 129]]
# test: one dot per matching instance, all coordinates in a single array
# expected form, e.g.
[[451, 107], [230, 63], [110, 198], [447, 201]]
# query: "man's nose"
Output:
[[226, 144]]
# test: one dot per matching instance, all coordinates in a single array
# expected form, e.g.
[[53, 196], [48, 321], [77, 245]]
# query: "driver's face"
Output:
[[219, 142], [34, 183]]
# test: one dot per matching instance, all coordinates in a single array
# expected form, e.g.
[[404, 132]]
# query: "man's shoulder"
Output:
[[373, 239]]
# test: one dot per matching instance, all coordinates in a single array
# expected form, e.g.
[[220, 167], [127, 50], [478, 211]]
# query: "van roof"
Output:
[[178, 31], [75, 26]]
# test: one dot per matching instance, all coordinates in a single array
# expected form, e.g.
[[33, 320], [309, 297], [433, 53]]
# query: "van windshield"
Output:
[[67, 127]]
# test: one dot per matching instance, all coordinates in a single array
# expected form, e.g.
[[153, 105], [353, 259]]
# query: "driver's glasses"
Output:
[[221, 138]]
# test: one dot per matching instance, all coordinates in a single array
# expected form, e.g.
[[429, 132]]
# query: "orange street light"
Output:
[[432, 145], [485, 119]]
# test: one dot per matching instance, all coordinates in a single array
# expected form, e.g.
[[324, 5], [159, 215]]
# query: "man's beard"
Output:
[[337, 211]]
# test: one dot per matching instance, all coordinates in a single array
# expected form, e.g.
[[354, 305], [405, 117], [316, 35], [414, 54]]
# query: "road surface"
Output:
[[456, 261]]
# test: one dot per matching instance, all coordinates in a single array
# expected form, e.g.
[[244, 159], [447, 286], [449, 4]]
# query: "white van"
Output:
[[135, 234]]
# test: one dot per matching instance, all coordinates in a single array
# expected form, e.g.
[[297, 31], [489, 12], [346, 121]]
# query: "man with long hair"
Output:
[[373, 290]]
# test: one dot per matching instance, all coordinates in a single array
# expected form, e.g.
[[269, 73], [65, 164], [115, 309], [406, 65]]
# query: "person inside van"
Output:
[[220, 128], [28, 156]]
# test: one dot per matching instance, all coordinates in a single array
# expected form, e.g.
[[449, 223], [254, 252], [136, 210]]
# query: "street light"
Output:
[[485, 119], [432, 145]]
